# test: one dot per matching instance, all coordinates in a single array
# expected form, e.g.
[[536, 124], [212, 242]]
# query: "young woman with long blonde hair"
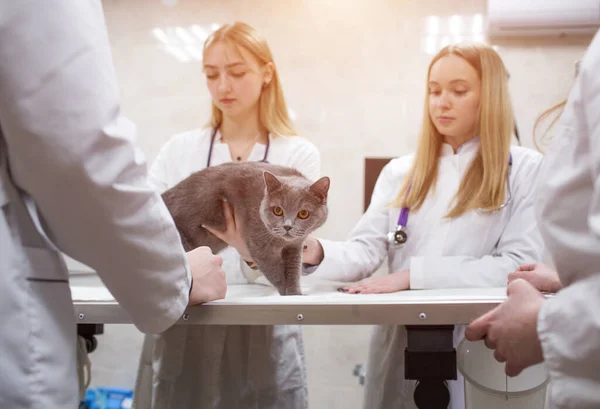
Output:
[[456, 214], [223, 367]]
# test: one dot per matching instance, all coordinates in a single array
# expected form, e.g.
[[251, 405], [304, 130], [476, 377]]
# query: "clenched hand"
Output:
[[209, 278]]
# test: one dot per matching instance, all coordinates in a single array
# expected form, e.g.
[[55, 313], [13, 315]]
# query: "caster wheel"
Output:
[[91, 344], [432, 395]]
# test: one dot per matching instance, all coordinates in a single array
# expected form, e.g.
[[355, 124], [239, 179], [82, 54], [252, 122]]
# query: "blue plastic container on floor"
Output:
[[108, 398]]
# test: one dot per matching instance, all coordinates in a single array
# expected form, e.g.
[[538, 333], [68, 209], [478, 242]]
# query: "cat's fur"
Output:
[[253, 189]]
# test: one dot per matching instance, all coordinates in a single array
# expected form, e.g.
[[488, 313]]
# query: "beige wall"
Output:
[[353, 74]]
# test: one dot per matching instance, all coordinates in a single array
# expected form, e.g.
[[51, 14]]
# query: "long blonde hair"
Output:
[[555, 110], [273, 113], [483, 185]]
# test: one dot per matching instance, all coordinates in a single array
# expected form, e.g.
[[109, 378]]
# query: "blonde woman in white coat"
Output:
[[222, 367], [470, 219], [564, 331]]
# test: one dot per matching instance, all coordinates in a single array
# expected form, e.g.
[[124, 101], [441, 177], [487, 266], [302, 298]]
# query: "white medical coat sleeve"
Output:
[[366, 248], [520, 243], [74, 154], [569, 324], [569, 330]]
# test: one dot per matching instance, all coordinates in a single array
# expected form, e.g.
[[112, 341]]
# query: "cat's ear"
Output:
[[271, 181], [320, 189]]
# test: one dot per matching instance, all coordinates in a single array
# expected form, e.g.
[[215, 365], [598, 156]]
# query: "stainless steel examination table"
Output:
[[430, 316]]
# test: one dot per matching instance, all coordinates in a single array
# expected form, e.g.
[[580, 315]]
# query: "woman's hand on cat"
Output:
[[389, 283], [233, 234], [542, 277], [208, 278], [312, 253]]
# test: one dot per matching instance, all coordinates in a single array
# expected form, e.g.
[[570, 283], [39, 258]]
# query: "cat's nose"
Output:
[[287, 228]]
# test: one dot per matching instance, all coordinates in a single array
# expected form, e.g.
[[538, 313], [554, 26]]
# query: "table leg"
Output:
[[430, 358]]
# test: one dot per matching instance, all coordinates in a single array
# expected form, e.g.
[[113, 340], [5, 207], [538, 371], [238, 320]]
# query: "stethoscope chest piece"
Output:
[[397, 237]]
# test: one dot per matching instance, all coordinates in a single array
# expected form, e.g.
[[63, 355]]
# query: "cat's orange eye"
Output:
[[303, 214], [278, 211]]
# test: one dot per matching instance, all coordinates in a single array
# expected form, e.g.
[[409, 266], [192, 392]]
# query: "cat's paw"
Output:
[[292, 291]]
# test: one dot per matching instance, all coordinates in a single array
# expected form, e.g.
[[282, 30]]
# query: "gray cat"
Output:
[[277, 208]]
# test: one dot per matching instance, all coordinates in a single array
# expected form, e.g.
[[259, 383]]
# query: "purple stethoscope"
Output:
[[212, 142], [399, 236]]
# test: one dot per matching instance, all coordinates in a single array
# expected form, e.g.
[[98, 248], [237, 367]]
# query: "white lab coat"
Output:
[[77, 184], [474, 250], [568, 210], [223, 367]]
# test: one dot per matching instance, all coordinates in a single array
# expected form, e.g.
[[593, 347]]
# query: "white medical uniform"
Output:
[[568, 211], [224, 367], [473, 250], [77, 185]]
